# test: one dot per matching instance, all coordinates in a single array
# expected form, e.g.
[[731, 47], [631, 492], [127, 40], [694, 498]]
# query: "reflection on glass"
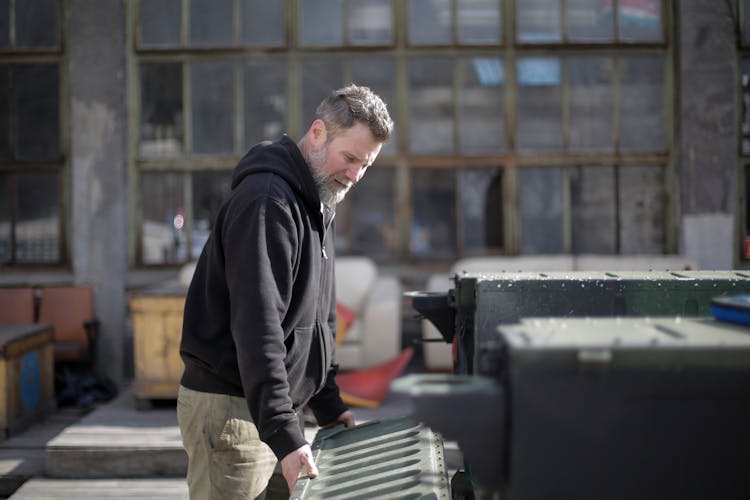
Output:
[[542, 210], [4, 23], [371, 22], [210, 190], [640, 20], [592, 198], [37, 218], [5, 152], [37, 24], [321, 23], [319, 78], [539, 21], [212, 115], [263, 23], [641, 196], [210, 23], [539, 104], [590, 96], [265, 101], [377, 73], [37, 111], [159, 21], [479, 21], [372, 216], [6, 211], [482, 105], [481, 210], [430, 22], [590, 20], [161, 109], [433, 225], [642, 122], [163, 238], [431, 105]]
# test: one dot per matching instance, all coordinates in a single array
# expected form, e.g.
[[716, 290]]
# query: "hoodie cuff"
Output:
[[286, 440]]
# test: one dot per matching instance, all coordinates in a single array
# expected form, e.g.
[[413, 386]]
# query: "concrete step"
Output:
[[111, 489]]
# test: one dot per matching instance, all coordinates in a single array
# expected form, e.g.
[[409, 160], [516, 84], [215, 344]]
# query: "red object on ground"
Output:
[[368, 387]]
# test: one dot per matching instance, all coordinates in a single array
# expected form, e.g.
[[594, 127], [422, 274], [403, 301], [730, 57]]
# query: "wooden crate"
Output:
[[157, 330], [27, 390]]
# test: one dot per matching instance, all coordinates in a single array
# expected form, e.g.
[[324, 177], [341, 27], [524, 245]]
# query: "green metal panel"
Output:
[[507, 297], [396, 458]]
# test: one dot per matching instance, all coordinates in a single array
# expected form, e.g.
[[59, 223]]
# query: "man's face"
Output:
[[339, 164]]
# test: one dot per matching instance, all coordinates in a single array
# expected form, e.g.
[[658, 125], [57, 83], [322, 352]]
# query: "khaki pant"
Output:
[[226, 458]]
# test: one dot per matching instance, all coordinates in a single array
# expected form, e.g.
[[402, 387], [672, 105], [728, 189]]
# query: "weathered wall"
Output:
[[707, 139], [96, 51]]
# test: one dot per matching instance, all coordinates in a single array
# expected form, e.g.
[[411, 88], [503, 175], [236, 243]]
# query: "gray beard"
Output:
[[328, 194]]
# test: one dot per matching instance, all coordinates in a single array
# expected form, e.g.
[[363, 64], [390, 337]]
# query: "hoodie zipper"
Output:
[[323, 323]]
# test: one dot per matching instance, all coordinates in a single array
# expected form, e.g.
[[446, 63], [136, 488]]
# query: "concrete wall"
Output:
[[98, 126], [707, 123]]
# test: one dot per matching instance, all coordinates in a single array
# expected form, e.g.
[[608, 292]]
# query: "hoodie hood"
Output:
[[284, 159]]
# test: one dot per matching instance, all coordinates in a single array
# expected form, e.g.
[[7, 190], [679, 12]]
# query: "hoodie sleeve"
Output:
[[260, 243]]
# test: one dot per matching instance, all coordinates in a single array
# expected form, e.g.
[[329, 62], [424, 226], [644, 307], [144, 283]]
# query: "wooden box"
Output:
[[27, 391], [157, 330]]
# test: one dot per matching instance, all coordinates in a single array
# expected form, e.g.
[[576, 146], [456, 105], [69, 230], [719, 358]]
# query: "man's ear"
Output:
[[318, 133]]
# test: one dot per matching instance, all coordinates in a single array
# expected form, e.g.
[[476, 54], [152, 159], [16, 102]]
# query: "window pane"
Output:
[[539, 21], [161, 109], [539, 104], [263, 23], [590, 20], [481, 204], [319, 78], [642, 123], [162, 228], [210, 190], [482, 105], [160, 22], [4, 23], [641, 209], [542, 210], [211, 23], [5, 152], [592, 197], [265, 101], [591, 98], [371, 22], [6, 211], [431, 105], [430, 22], [433, 227], [745, 105], [372, 218], [37, 112], [321, 22], [36, 23], [377, 73], [746, 20], [479, 21], [212, 102], [640, 20], [38, 218]]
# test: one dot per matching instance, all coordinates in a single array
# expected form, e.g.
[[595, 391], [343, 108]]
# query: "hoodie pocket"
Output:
[[323, 338]]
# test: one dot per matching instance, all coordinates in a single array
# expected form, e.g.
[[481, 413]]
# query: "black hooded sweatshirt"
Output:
[[260, 311]]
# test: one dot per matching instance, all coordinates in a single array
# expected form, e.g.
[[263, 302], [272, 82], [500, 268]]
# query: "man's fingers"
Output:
[[308, 466]]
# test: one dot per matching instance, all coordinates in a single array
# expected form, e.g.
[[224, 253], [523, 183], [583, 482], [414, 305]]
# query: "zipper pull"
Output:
[[325, 255]]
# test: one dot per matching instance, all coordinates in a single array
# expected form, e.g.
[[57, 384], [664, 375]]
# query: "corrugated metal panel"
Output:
[[394, 459]]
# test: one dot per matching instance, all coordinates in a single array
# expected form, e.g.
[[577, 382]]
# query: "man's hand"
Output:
[[297, 461], [346, 418]]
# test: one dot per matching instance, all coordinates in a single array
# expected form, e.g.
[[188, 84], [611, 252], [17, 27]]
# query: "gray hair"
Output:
[[353, 103]]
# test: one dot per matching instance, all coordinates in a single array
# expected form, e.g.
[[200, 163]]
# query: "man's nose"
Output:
[[354, 172]]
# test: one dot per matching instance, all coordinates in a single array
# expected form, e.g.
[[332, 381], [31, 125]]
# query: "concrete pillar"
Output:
[[97, 114], [707, 144]]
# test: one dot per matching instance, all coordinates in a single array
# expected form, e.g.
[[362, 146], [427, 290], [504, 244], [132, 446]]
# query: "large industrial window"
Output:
[[744, 132], [32, 151], [534, 126]]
